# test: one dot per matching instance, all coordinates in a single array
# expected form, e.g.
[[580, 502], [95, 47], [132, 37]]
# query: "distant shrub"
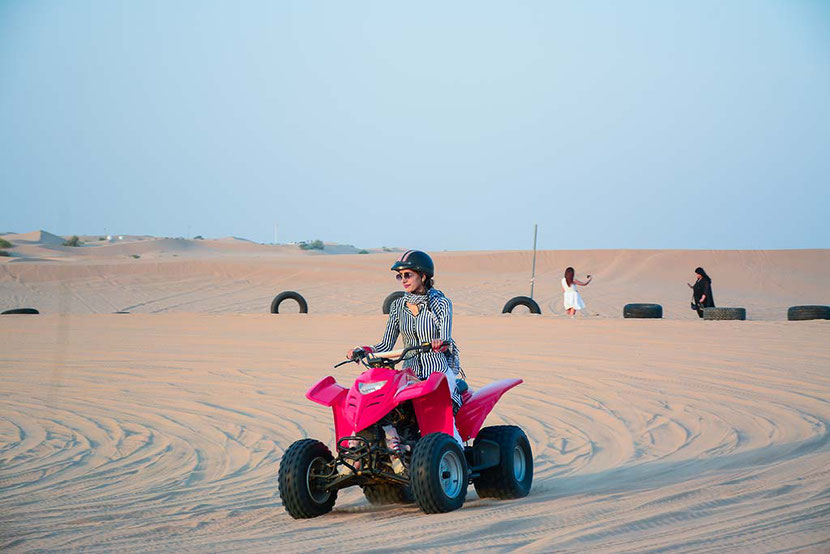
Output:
[[198, 237], [313, 245], [136, 256], [363, 252], [5, 244], [4, 253], [387, 249], [73, 241], [102, 238]]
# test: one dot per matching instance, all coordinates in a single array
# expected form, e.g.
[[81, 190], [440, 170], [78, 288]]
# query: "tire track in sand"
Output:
[[168, 436]]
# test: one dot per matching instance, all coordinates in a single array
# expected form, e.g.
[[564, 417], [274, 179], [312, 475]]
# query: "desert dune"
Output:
[[163, 429], [151, 275]]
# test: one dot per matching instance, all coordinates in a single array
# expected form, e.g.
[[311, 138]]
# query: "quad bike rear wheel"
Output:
[[512, 477], [382, 494], [439, 474], [301, 493]]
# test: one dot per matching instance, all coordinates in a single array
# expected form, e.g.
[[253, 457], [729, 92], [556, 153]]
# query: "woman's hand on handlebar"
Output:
[[438, 345], [355, 353]]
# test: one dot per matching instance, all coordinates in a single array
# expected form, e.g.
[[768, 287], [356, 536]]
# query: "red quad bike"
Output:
[[395, 441]]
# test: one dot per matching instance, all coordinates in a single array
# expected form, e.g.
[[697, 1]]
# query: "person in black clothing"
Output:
[[702, 292]]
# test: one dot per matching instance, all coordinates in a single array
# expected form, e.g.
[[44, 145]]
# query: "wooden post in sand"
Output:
[[533, 271]]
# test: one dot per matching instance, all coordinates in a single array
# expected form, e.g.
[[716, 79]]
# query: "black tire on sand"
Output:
[[804, 313], [387, 302], [738, 314], [643, 311], [289, 295], [20, 311], [521, 301]]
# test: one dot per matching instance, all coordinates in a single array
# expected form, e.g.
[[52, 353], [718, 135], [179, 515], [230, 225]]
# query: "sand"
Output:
[[163, 429]]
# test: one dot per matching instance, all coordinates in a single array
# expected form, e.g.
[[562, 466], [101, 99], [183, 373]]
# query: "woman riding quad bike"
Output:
[[423, 314], [398, 440]]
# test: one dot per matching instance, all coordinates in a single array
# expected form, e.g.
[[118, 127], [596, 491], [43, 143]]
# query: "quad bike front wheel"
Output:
[[512, 477], [439, 474], [300, 487], [381, 494]]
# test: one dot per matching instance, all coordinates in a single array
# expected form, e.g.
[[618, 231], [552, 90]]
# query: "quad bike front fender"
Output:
[[432, 402], [328, 393]]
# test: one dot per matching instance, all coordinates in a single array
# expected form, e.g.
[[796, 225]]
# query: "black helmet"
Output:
[[415, 260]]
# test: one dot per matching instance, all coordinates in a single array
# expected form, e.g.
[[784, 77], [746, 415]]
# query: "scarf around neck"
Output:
[[418, 299], [422, 300]]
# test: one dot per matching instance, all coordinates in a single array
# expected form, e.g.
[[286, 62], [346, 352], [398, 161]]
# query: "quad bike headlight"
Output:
[[367, 388]]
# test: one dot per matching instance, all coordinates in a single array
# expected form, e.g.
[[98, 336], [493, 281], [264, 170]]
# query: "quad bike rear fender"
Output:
[[472, 414]]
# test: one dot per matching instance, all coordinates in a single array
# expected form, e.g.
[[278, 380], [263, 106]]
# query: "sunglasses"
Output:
[[405, 275]]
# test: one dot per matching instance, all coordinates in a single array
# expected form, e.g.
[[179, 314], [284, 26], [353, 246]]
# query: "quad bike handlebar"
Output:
[[387, 359]]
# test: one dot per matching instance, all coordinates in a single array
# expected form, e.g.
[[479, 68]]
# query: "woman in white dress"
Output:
[[573, 301]]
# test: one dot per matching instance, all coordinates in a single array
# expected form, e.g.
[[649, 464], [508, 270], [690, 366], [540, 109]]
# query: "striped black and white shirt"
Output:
[[434, 321]]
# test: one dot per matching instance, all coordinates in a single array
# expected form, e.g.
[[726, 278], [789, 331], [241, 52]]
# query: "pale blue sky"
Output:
[[434, 125]]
